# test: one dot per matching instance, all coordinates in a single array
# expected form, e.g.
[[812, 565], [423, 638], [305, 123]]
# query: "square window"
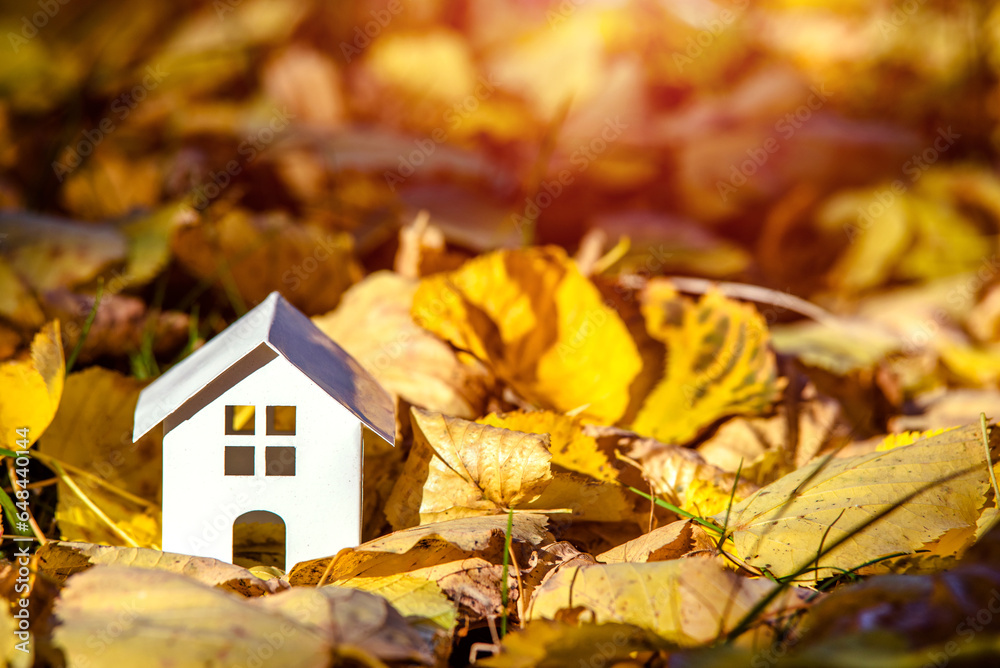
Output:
[[279, 460], [281, 420], [240, 420], [239, 460]]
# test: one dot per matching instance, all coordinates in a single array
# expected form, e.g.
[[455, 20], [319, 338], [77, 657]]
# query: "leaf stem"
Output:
[[504, 593], [683, 513], [87, 324]]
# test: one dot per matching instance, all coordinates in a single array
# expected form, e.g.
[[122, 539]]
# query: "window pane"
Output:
[[239, 460], [240, 420], [279, 460], [281, 420]]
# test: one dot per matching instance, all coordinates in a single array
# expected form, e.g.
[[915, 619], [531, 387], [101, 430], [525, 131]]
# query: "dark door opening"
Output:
[[259, 540]]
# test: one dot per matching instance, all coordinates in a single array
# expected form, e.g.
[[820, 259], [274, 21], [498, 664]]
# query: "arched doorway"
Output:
[[259, 539]]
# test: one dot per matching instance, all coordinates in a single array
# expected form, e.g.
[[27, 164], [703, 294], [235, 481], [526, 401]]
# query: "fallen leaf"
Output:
[[92, 433], [17, 303], [416, 598], [468, 535], [121, 325], [459, 469], [33, 389], [768, 448], [149, 238], [350, 620], [718, 363], [61, 560], [312, 266], [55, 253], [373, 324], [685, 479], [168, 619], [664, 543], [551, 644], [540, 325], [464, 557], [685, 601], [571, 447], [783, 527]]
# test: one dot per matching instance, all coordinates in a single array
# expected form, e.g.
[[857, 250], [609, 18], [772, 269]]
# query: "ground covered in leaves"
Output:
[[691, 315]]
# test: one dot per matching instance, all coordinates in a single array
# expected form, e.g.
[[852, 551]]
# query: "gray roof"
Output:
[[288, 332]]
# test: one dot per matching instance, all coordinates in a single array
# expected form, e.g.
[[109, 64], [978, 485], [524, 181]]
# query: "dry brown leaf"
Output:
[[51, 253], [550, 644], [373, 324], [685, 601], [572, 448], [61, 560], [464, 557], [685, 479], [459, 469], [92, 432], [122, 325], [783, 527], [171, 620], [668, 542], [310, 265]]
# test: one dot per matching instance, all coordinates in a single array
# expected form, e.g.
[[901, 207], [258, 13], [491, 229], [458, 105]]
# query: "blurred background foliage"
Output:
[[830, 150]]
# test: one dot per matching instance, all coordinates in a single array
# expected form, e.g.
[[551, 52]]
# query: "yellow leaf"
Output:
[[91, 436], [415, 598], [373, 323], [928, 231], [483, 535], [459, 468], [588, 499], [149, 243], [61, 560], [155, 609], [541, 325], [10, 655], [782, 527], [684, 601], [436, 64], [667, 542], [571, 448], [551, 644], [464, 557], [718, 363], [893, 441], [32, 389], [684, 478]]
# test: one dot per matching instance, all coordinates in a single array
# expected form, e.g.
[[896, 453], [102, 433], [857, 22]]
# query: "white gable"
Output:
[[285, 330]]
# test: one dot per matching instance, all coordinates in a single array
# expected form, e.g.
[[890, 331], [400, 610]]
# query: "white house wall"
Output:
[[320, 504]]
